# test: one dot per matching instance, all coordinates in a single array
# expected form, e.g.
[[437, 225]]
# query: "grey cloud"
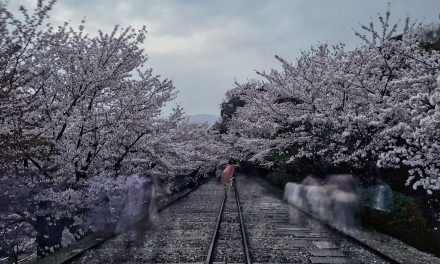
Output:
[[204, 45]]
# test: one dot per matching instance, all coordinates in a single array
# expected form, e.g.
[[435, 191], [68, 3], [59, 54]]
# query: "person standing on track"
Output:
[[228, 174]]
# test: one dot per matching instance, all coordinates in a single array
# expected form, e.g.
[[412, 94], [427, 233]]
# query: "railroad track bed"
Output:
[[279, 233], [179, 234], [248, 225]]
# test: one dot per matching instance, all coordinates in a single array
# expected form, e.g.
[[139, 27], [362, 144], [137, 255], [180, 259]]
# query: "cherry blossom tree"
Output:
[[20, 43], [79, 114], [366, 109]]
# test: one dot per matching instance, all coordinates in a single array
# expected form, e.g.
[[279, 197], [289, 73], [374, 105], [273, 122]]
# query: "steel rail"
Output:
[[214, 236], [242, 227]]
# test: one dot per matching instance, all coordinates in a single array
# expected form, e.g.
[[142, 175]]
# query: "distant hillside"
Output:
[[204, 118]]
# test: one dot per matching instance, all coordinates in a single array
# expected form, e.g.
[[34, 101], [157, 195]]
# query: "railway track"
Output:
[[229, 241], [249, 224], [279, 233]]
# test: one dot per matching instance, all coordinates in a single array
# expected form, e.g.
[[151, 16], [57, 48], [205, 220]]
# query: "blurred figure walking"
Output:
[[228, 175]]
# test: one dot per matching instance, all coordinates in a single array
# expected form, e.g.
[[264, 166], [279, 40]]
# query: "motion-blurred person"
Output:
[[344, 200], [310, 180], [228, 175]]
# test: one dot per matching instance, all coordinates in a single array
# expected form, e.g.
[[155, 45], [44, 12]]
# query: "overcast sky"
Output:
[[203, 46]]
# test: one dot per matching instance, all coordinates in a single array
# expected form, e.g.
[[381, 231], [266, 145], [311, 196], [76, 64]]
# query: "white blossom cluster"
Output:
[[377, 106]]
